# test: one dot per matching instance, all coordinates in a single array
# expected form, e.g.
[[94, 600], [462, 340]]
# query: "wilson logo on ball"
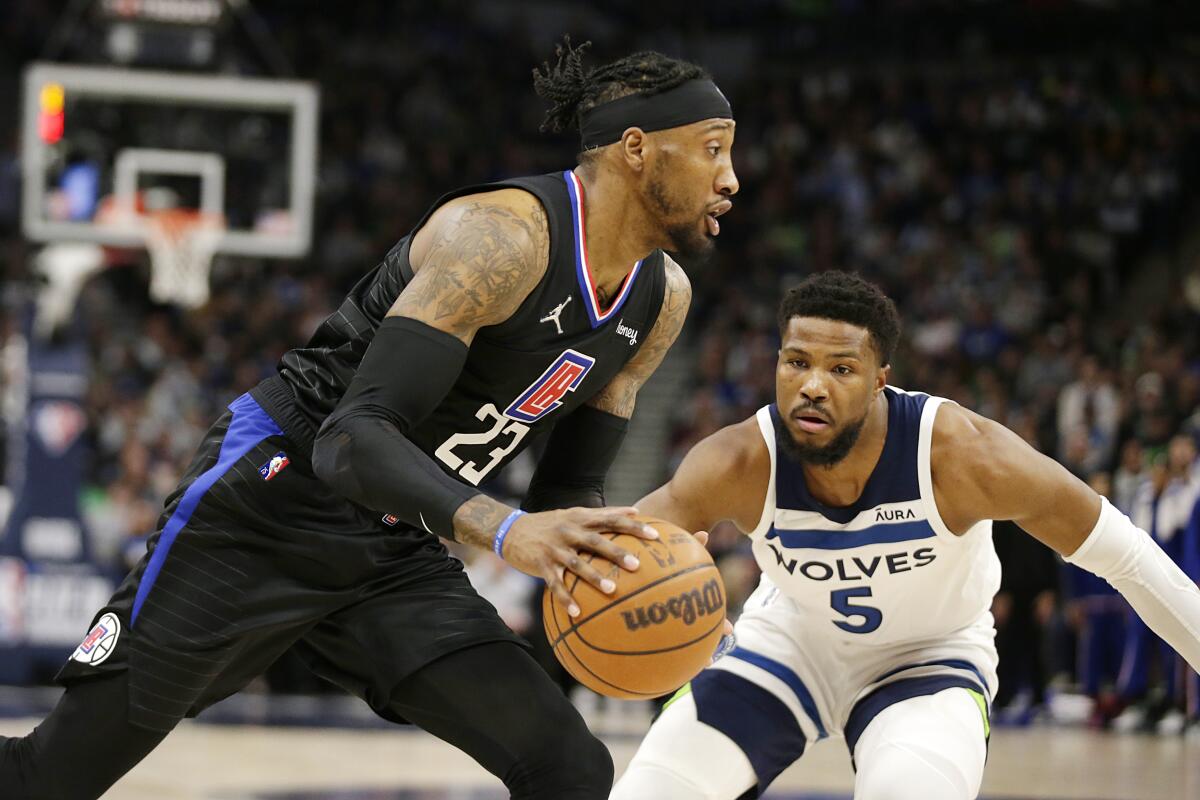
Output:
[[687, 607], [655, 632]]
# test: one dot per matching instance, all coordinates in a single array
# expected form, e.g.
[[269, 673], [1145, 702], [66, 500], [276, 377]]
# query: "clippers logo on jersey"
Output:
[[390, 520], [274, 466], [545, 394], [100, 641]]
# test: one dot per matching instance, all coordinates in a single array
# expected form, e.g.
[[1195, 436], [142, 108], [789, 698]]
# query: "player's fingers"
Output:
[[621, 523], [618, 555], [724, 647], [606, 548], [728, 628], [701, 537], [629, 511], [554, 582], [581, 567]]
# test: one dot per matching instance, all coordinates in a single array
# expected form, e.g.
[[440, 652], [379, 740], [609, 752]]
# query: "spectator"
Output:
[[1091, 406]]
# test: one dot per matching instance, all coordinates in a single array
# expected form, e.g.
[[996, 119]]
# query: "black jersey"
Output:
[[557, 350]]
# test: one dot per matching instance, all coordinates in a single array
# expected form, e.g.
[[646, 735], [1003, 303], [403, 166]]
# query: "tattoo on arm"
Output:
[[482, 264], [477, 520], [619, 396]]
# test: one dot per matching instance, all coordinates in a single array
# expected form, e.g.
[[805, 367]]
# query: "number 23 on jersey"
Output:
[[542, 396]]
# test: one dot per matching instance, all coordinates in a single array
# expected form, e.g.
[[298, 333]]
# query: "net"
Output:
[[182, 243]]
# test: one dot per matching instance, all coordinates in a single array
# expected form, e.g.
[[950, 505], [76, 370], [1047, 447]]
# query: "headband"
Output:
[[687, 103]]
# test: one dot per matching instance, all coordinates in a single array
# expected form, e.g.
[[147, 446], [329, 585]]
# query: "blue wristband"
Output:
[[502, 531]]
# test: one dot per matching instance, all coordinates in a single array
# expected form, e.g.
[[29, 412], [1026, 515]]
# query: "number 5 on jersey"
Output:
[[872, 617]]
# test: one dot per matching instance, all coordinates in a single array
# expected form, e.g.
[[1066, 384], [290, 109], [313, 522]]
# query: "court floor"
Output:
[[252, 762]]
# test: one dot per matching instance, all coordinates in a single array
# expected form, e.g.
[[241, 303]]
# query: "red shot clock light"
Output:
[[51, 118]]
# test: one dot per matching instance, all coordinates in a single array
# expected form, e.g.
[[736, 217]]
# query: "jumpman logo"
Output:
[[556, 313]]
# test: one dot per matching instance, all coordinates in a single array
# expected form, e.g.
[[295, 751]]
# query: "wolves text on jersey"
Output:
[[855, 568]]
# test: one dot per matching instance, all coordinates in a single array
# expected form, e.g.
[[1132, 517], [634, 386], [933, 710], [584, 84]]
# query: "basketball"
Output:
[[654, 633]]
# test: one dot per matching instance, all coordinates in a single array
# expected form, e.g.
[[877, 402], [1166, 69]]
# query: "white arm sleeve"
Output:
[[1163, 596]]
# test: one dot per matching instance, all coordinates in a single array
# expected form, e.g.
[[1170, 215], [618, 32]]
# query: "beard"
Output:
[[827, 455], [690, 242]]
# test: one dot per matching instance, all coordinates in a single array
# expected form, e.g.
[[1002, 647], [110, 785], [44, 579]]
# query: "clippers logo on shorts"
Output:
[[546, 393], [100, 641], [274, 466], [390, 520]]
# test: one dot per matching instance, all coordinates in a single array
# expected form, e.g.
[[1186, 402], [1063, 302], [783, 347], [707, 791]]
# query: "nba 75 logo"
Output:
[[546, 393], [274, 466]]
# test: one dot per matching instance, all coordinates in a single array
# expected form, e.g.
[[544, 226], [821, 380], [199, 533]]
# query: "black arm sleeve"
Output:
[[578, 455], [362, 450]]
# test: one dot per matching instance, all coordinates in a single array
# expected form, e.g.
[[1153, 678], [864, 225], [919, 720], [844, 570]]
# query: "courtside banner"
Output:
[[50, 584]]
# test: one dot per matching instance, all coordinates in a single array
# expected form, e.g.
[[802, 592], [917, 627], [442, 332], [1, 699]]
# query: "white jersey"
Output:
[[885, 570], [862, 610]]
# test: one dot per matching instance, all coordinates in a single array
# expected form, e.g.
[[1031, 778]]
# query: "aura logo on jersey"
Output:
[[687, 607], [545, 394]]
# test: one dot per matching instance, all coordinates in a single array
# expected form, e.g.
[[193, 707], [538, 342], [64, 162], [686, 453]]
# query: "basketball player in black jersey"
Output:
[[311, 514]]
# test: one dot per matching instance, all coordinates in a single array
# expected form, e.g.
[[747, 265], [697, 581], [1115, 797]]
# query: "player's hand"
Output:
[[728, 642], [726, 646], [549, 544], [702, 538]]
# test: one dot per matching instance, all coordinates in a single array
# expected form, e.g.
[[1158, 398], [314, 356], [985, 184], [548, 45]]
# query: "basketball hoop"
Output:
[[182, 243]]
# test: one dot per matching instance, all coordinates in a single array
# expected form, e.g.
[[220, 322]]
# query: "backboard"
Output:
[[102, 146]]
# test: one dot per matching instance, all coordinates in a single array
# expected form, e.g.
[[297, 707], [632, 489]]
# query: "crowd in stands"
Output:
[[1008, 213], [1027, 209]]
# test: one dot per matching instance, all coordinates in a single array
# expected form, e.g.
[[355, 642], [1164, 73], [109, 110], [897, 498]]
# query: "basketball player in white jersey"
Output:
[[870, 511]]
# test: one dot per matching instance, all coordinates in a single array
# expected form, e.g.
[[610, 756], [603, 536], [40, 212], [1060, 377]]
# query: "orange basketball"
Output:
[[658, 629]]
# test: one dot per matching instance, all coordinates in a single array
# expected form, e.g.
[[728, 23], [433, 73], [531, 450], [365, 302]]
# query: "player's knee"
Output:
[[561, 760], [899, 772], [597, 773], [645, 779], [710, 767]]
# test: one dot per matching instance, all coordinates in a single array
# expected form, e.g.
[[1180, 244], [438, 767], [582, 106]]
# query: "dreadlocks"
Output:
[[573, 89]]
